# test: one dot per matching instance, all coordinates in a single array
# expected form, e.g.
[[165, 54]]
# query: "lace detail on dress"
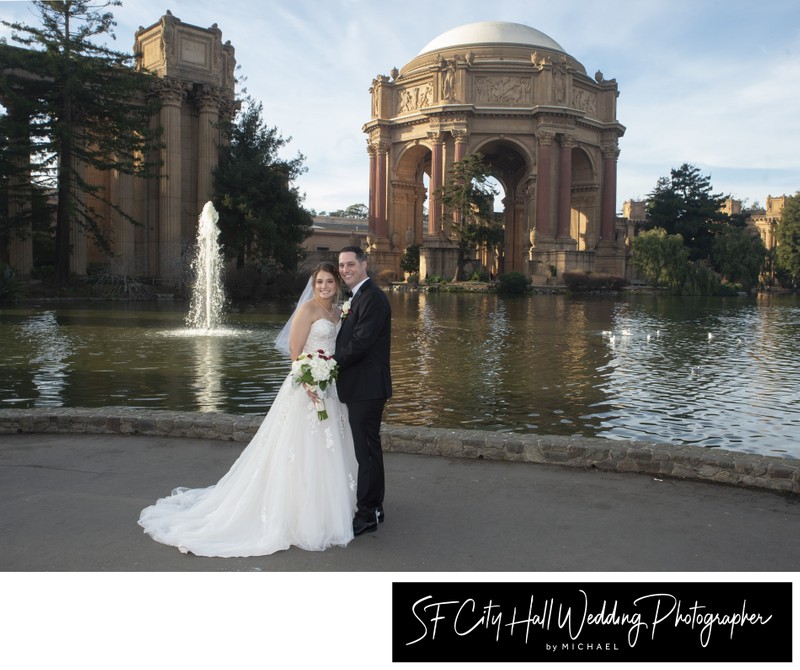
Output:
[[322, 336]]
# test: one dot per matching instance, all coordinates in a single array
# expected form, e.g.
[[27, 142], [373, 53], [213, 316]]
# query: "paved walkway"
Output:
[[70, 502]]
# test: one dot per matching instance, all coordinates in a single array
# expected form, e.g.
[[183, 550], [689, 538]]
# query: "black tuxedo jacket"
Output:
[[363, 347]]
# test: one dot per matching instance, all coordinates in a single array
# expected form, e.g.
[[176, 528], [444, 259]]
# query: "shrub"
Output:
[[513, 282], [112, 280], [253, 283], [245, 284], [386, 277], [435, 279], [43, 272], [11, 289], [580, 282], [480, 275], [410, 260], [700, 280]]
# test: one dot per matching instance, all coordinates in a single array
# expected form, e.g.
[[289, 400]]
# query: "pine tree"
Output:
[[683, 204], [468, 200], [85, 108], [261, 218]]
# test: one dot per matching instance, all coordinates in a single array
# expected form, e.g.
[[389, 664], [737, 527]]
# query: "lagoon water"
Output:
[[710, 372]]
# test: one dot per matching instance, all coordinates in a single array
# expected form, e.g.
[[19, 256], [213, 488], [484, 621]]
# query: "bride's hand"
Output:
[[311, 393]]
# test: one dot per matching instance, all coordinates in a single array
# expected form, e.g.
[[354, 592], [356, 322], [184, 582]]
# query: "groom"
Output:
[[364, 383]]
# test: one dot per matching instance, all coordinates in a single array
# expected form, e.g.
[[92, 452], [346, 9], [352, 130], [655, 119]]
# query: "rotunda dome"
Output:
[[491, 32]]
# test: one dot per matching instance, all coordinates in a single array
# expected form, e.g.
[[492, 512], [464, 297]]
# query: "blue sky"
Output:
[[713, 83]]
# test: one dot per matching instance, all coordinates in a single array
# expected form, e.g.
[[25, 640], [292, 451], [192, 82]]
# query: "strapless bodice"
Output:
[[322, 336]]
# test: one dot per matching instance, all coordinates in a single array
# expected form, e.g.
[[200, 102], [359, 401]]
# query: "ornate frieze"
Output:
[[415, 97], [585, 100], [503, 90]]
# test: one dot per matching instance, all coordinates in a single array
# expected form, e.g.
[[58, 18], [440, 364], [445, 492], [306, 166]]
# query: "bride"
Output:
[[294, 483]]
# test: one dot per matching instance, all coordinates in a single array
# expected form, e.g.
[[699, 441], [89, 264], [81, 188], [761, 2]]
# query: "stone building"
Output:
[[548, 131], [196, 87], [766, 221], [331, 233], [195, 84]]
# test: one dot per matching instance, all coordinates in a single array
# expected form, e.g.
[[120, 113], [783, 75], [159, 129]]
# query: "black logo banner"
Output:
[[599, 621]]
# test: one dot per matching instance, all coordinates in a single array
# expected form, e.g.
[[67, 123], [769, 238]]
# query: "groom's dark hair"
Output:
[[361, 255]]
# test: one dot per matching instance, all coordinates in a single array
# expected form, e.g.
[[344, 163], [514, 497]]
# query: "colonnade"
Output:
[[540, 206]]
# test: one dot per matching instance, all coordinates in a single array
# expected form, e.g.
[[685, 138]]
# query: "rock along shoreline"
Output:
[[658, 460]]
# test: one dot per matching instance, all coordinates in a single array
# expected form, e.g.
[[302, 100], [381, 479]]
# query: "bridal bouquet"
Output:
[[315, 371]]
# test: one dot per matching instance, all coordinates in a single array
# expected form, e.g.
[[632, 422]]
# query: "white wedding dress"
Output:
[[294, 484]]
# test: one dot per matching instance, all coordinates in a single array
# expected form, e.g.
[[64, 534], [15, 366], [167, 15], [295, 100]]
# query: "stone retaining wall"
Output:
[[658, 460]]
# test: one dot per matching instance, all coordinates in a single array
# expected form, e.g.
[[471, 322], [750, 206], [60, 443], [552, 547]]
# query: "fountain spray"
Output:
[[208, 296]]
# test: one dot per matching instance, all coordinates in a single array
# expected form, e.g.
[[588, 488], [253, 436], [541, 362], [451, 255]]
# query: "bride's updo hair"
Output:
[[328, 267]]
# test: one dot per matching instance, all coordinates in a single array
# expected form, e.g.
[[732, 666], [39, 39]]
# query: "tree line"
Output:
[[76, 101], [690, 246]]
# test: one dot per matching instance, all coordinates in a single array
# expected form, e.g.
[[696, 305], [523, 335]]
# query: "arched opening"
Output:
[[509, 165], [409, 192], [584, 209]]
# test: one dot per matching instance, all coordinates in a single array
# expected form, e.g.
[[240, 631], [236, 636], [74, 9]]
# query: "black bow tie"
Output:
[[348, 294]]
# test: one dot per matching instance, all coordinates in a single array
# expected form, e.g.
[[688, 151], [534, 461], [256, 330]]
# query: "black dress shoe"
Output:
[[361, 525]]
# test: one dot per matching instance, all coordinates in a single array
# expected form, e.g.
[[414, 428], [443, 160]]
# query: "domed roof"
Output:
[[491, 32]]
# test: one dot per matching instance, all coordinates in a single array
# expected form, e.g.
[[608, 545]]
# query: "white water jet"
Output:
[[208, 295]]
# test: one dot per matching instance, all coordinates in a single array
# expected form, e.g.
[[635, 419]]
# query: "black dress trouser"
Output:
[[365, 421]]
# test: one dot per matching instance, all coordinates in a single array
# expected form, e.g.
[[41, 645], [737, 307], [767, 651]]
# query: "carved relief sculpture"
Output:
[[503, 90], [412, 99], [584, 100]]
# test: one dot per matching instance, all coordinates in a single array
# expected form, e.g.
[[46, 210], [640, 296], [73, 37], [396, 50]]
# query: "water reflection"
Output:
[[723, 378], [640, 368], [208, 373], [51, 349]]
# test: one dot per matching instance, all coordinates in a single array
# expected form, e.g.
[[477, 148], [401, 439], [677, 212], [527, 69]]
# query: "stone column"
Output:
[[101, 230], [78, 259], [529, 193], [20, 241], [207, 150], [373, 204], [169, 200], [544, 185], [461, 144], [148, 202], [609, 194], [565, 187], [516, 250], [381, 224], [434, 203], [124, 232], [459, 152], [20, 238]]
